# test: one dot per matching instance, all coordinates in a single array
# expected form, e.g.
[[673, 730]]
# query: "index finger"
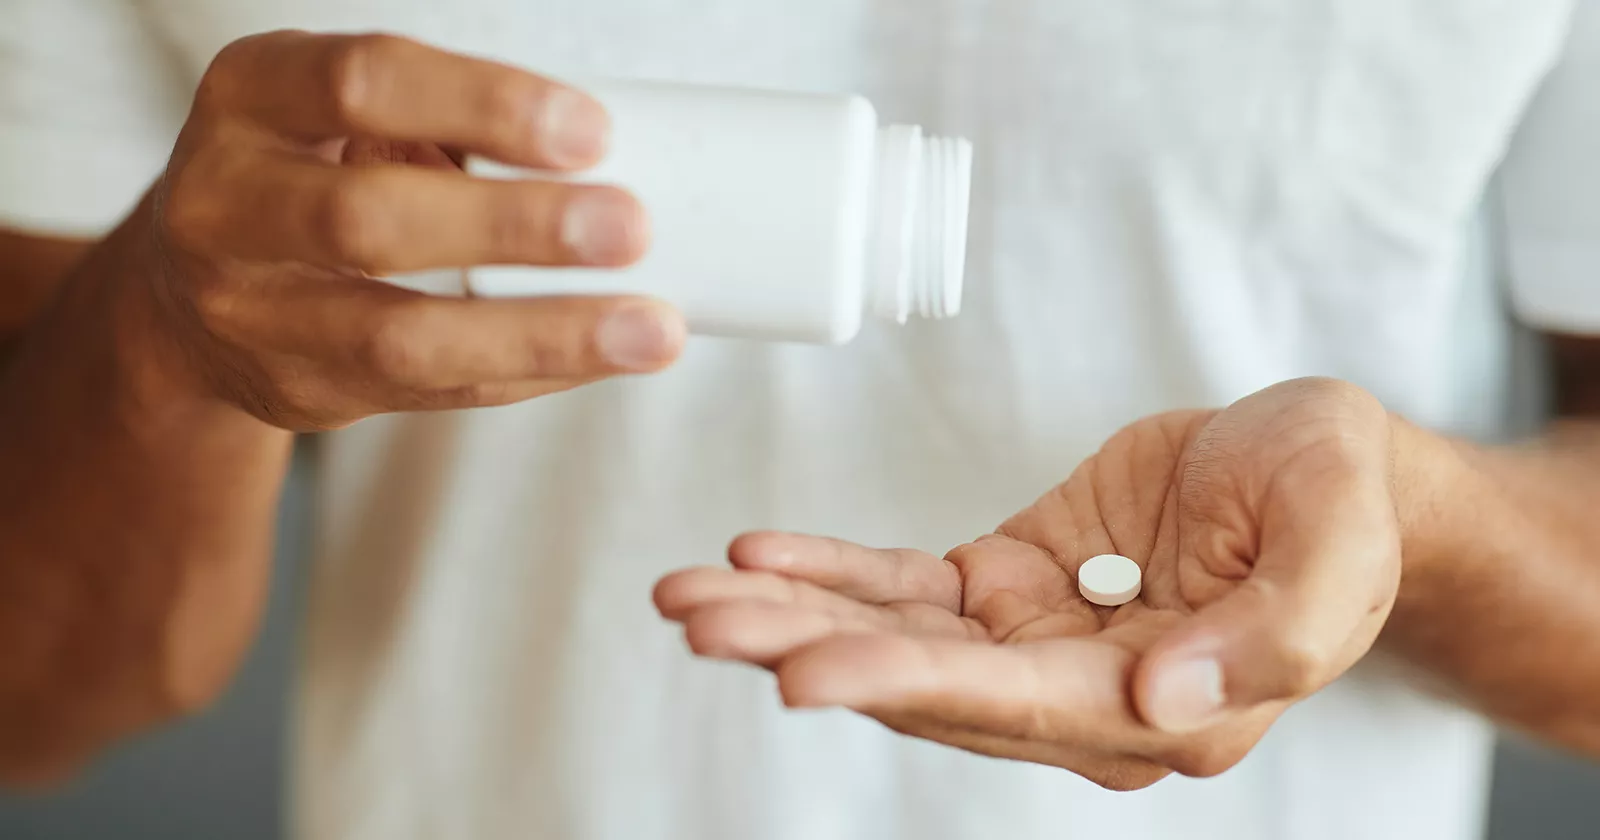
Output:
[[1060, 691], [316, 87], [1061, 701]]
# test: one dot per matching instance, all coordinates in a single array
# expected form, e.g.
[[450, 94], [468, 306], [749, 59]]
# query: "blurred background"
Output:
[[222, 775]]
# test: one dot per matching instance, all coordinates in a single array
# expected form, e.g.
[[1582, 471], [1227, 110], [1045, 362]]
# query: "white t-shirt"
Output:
[[1177, 203]]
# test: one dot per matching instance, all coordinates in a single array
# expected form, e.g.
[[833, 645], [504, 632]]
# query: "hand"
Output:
[[1271, 559], [312, 163]]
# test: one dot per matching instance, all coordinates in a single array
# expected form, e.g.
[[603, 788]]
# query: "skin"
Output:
[[154, 379], [1282, 539]]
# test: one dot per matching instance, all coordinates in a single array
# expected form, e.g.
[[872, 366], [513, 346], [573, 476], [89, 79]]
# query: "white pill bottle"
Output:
[[774, 216]]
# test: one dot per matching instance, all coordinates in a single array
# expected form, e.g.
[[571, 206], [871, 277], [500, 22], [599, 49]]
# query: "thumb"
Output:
[[1318, 593]]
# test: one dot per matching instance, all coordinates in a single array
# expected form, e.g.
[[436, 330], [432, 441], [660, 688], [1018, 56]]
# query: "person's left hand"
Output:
[[1271, 556]]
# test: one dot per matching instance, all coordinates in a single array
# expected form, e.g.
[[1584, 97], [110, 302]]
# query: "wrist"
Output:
[[127, 294], [1437, 494], [114, 326]]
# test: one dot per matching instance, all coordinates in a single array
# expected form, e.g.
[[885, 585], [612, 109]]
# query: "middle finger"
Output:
[[389, 219]]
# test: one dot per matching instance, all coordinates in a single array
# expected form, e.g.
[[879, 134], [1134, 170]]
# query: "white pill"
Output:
[[1110, 580]]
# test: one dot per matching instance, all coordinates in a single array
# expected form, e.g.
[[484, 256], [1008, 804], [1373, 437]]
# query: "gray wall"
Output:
[[1539, 795], [221, 776]]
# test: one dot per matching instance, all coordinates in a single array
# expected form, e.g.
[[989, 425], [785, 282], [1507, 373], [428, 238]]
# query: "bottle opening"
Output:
[[924, 188]]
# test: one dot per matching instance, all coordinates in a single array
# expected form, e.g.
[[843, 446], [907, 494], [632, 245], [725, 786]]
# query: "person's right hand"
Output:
[[312, 164]]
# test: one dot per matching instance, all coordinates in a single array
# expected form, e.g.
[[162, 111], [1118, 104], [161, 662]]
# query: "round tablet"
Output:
[[1110, 580]]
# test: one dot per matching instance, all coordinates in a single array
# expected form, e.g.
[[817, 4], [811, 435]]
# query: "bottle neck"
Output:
[[919, 244]]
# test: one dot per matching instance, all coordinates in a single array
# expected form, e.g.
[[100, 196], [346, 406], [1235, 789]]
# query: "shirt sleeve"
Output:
[[1550, 191], [90, 102]]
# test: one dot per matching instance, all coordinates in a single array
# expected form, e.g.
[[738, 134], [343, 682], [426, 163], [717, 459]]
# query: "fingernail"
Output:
[[640, 337], [603, 227], [1187, 696], [574, 129]]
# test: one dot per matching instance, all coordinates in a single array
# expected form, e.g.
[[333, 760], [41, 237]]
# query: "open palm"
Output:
[[1271, 559]]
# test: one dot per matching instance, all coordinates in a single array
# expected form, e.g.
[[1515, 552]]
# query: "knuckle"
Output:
[[965, 556], [708, 633], [294, 401], [523, 223], [216, 84], [903, 573], [561, 350], [356, 224], [357, 76], [394, 348], [190, 214], [232, 68], [551, 357], [214, 89], [284, 395], [281, 407], [1302, 664], [472, 395], [215, 304], [508, 108], [1038, 725], [1203, 759]]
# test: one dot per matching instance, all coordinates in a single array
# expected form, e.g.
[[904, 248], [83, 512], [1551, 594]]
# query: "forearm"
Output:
[[1501, 589], [135, 523]]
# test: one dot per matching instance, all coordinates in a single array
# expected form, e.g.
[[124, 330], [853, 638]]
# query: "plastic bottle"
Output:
[[775, 216]]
